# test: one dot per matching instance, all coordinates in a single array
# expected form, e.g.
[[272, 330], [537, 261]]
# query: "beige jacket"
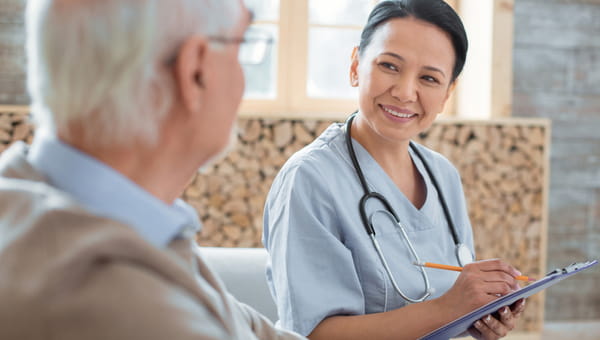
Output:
[[66, 274]]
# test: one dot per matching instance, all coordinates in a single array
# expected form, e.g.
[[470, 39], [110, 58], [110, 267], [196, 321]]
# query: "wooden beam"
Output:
[[22, 109], [502, 50]]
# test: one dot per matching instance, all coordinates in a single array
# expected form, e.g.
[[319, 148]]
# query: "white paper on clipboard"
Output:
[[463, 323]]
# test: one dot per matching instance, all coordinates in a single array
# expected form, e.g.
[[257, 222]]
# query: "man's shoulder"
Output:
[[60, 263], [32, 213], [31, 193]]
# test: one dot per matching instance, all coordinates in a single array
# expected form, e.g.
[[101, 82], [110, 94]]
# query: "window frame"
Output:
[[292, 100]]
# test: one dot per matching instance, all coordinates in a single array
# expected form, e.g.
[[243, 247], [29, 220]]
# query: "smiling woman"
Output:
[[407, 79], [330, 279], [306, 71]]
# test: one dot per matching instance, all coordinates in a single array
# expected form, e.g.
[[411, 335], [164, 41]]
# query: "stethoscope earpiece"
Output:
[[463, 254]]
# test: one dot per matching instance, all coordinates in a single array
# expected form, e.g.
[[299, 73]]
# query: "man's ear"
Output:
[[189, 72], [354, 68]]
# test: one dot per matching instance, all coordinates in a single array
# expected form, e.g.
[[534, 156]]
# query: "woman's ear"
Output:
[[451, 88], [189, 72], [354, 68]]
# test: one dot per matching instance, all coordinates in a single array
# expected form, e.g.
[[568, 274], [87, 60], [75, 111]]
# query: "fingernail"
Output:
[[488, 318], [478, 324], [504, 310]]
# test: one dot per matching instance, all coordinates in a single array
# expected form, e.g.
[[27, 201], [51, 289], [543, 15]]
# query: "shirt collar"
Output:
[[106, 192]]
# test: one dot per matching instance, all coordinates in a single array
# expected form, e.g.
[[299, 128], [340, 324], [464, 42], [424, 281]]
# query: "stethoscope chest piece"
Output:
[[463, 254]]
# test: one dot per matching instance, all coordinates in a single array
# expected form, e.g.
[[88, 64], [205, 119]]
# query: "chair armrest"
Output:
[[242, 270]]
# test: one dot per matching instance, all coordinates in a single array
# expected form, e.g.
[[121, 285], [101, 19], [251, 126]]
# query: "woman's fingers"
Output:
[[495, 265], [518, 308], [495, 271], [501, 277], [494, 278], [498, 288], [485, 328], [490, 327], [481, 282], [507, 317]]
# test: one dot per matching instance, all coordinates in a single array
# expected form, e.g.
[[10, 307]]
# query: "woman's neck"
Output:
[[391, 155], [394, 158]]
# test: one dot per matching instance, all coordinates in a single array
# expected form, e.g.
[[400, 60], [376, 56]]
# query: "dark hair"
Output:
[[436, 12]]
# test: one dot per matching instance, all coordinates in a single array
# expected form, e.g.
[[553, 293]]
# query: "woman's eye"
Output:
[[430, 79], [388, 66]]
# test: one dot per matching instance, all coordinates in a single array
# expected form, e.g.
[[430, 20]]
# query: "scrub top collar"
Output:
[[378, 180]]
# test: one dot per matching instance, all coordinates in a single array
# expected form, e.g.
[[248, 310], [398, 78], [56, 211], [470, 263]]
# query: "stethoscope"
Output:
[[463, 254]]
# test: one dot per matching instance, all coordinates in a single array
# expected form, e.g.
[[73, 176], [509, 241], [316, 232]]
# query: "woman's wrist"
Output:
[[444, 309]]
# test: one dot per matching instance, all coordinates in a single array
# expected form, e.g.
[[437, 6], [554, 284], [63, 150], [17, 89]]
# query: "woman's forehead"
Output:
[[417, 30], [412, 36]]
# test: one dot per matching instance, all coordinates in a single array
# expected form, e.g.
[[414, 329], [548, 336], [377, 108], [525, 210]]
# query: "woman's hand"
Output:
[[491, 328], [479, 283]]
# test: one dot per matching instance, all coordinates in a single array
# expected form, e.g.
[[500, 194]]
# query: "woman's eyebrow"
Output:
[[435, 69], [430, 68]]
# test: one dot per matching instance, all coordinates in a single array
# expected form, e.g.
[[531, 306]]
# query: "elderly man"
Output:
[[130, 98]]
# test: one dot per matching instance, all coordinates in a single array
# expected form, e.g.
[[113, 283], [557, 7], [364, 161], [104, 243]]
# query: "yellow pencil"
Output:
[[459, 269]]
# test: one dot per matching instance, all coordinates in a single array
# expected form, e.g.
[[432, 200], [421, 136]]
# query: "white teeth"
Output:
[[397, 114]]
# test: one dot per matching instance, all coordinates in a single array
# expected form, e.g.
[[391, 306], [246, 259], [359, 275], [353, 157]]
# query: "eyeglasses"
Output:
[[253, 46]]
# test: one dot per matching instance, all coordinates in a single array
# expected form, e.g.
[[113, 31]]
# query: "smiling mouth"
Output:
[[398, 114]]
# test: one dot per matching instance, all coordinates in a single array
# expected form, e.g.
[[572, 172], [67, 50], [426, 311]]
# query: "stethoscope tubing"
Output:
[[380, 197], [368, 194], [439, 192]]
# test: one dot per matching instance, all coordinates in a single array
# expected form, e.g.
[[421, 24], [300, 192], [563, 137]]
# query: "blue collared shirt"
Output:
[[105, 192]]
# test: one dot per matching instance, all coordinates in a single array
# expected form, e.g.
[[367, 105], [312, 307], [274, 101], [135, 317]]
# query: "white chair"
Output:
[[243, 272]]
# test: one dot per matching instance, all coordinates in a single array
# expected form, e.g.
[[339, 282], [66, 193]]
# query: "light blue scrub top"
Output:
[[322, 262]]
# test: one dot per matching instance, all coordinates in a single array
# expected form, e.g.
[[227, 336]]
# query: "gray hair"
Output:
[[102, 64]]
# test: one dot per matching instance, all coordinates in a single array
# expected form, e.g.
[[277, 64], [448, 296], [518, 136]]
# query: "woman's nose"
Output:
[[405, 89]]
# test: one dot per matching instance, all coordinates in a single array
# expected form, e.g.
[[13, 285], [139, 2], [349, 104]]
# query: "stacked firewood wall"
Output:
[[14, 126], [503, 166], [504, 170], [231, 194]]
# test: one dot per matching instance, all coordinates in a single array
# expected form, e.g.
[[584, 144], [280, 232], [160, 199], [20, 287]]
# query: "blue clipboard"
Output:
[[463, 323]]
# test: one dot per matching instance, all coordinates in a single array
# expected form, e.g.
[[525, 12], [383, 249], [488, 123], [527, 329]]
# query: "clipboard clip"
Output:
[[570, 268]]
